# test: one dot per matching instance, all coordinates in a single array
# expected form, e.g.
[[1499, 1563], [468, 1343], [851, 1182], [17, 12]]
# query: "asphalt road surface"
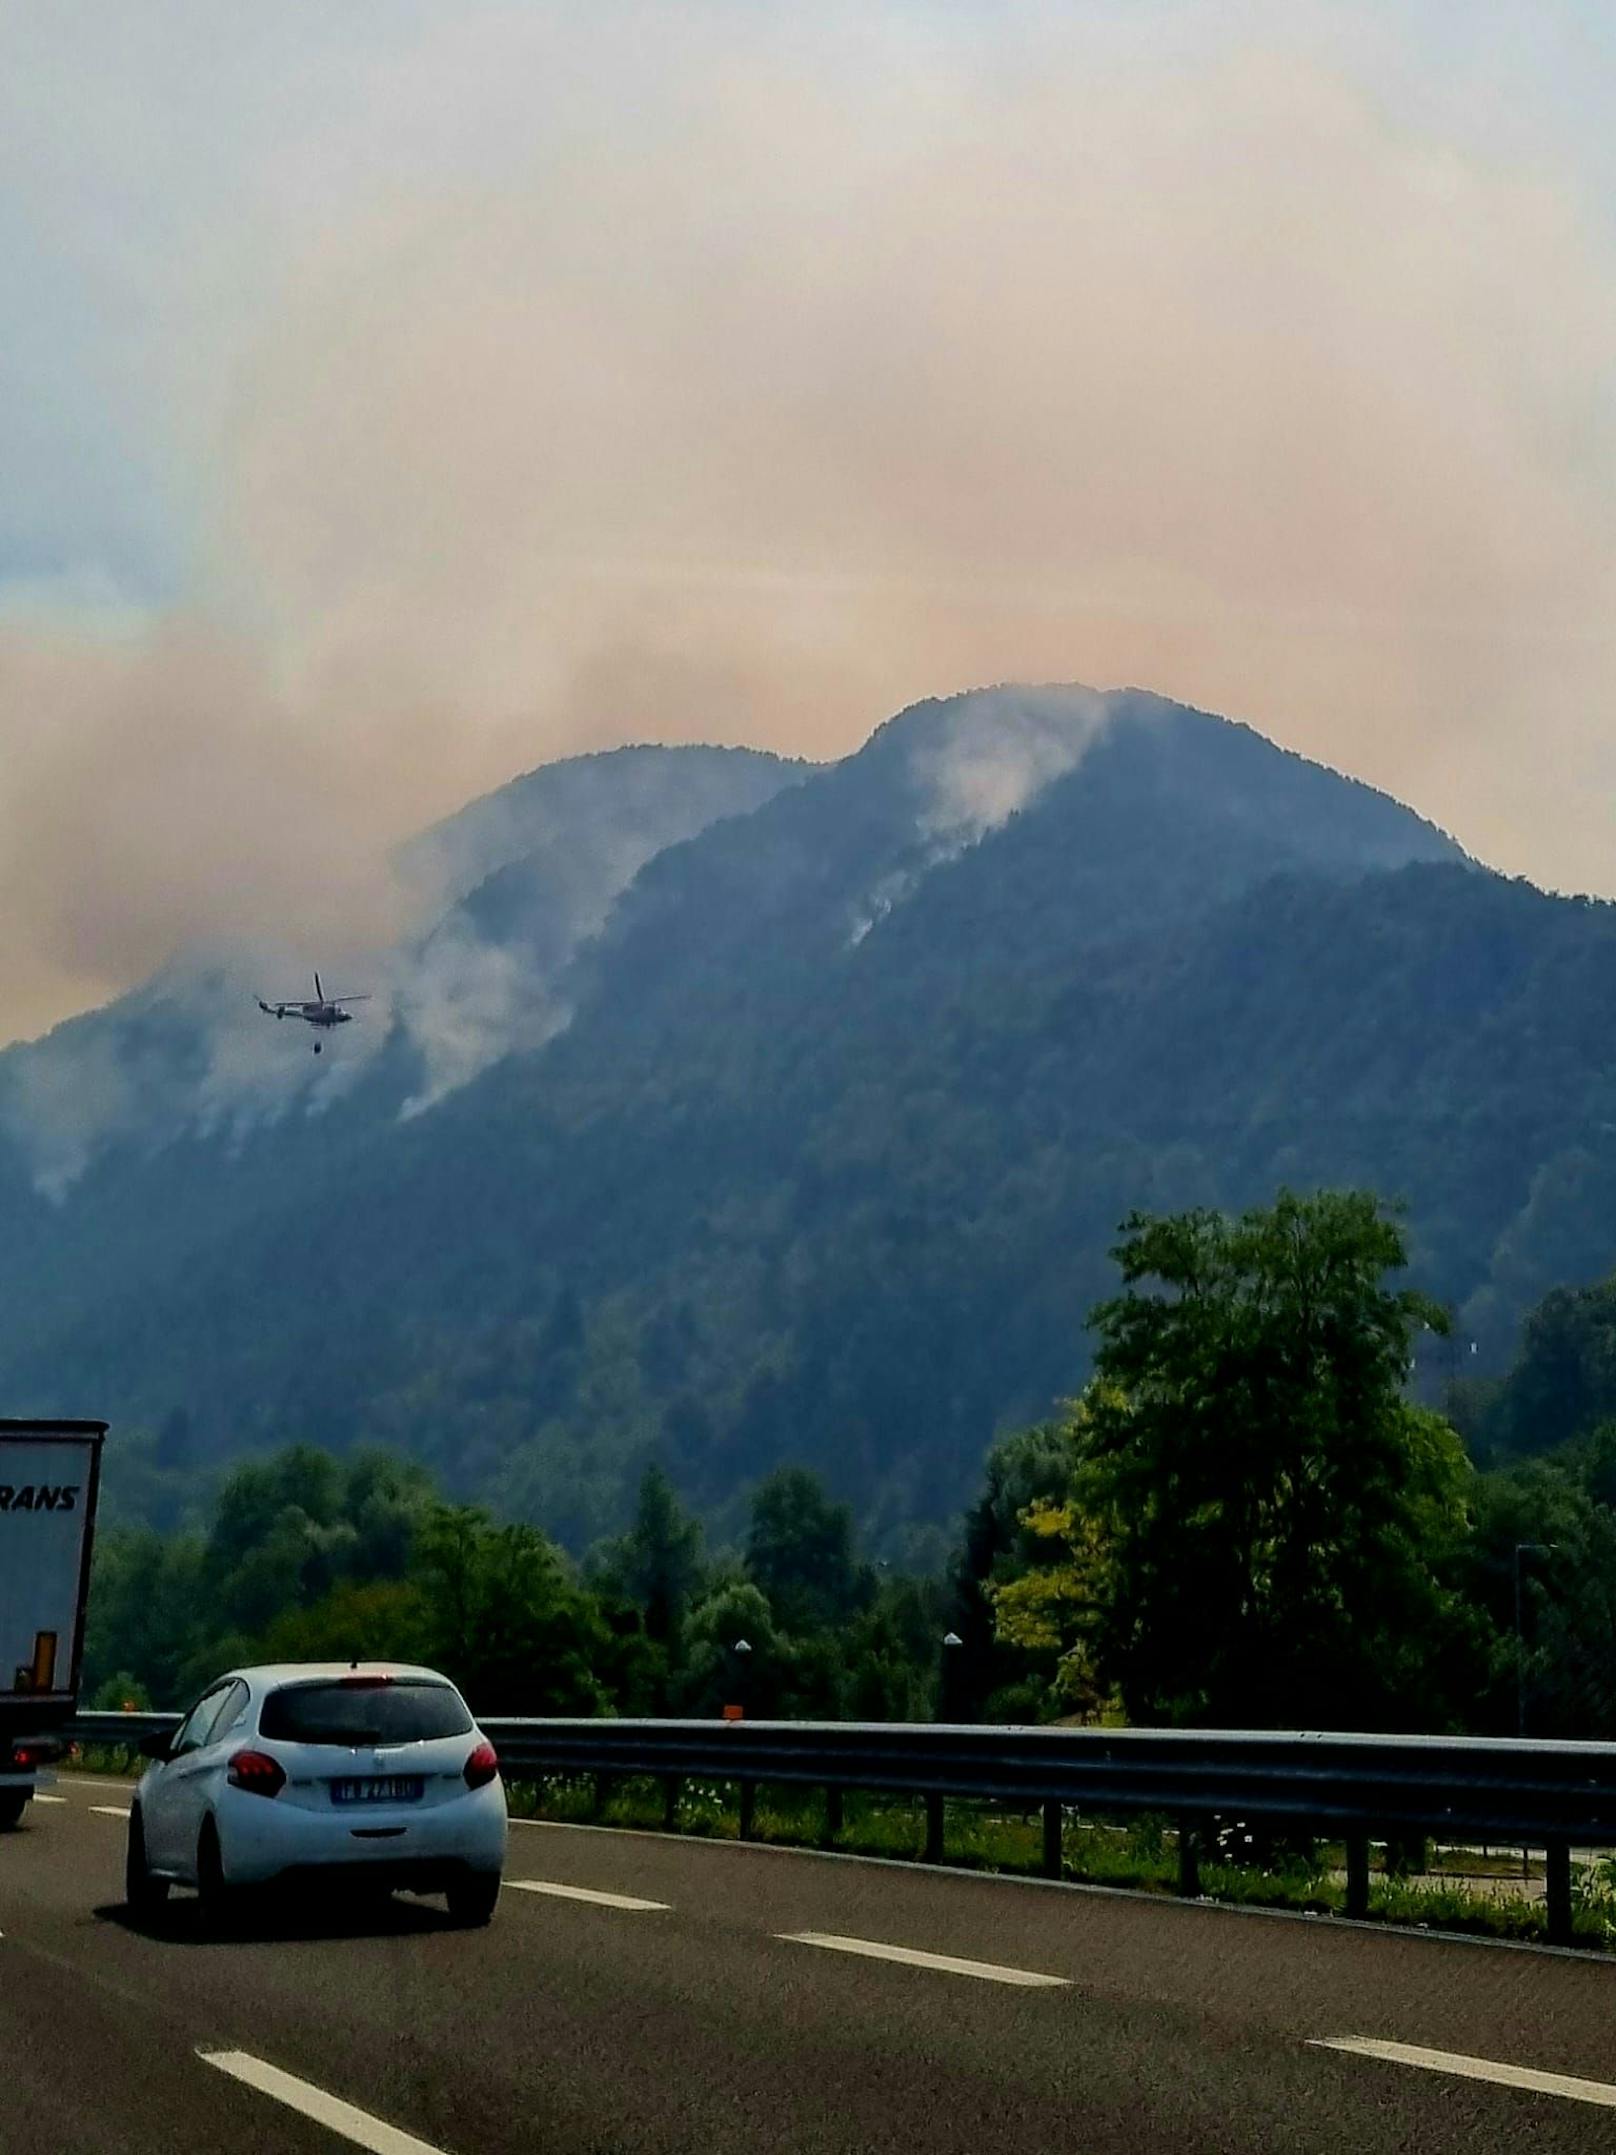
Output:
[[657, 1994]]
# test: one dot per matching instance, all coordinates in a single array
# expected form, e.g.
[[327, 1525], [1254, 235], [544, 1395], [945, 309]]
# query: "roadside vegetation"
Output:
[[1242, 1521], [1137, 1854]]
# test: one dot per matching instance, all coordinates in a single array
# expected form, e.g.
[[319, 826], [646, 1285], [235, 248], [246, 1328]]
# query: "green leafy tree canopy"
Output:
[[1256, 1518], [799, 1551]]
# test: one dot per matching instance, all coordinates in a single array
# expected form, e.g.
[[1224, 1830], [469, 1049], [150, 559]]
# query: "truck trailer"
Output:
[[50, 1476]]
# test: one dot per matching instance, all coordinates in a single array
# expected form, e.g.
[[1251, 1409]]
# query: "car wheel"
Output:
[[472, 1900], [13, 1802], [143, 1894], [219, 1901]]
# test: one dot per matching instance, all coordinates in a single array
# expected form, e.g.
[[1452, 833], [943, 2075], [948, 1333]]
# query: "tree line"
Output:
[[311, 1557], [1244, 1519]]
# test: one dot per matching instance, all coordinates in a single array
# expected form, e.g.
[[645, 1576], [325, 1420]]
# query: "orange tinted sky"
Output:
[[403, 396]]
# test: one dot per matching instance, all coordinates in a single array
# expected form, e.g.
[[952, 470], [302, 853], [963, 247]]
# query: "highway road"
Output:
[[658, 1994]]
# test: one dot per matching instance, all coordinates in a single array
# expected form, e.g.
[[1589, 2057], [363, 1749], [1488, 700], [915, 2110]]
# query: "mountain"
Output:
[[138, 1138], [497, 898], [812, 1139]]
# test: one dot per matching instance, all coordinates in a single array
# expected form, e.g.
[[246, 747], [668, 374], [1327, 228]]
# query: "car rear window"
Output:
[[405, 1710]]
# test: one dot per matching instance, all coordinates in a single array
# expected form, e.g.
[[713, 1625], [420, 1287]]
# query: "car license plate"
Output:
[[406, 1789]]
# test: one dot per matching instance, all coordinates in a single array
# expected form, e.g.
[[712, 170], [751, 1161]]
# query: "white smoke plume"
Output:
[[465, 1003], [500, 899], [989, 754], [61, 1108], [469, 388], [983, 758]]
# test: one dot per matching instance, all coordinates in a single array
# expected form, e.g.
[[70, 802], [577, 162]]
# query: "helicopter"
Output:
[[324, 1012]]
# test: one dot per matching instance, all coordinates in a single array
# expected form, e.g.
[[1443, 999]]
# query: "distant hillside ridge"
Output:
[[823, 1132]]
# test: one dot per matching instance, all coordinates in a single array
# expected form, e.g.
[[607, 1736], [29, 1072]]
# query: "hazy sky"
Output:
[[394, 396]]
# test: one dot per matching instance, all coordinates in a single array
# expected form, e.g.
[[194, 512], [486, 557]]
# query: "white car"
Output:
[[369, 1774]]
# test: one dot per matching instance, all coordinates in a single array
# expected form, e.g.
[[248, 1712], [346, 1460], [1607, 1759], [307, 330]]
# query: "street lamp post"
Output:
[[748, 1789], [947, 1686], [947, 1710], [1523, 1548]]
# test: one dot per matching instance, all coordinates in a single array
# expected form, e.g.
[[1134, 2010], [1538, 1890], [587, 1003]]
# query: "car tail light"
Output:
[[482, 1766], [257, 1773]]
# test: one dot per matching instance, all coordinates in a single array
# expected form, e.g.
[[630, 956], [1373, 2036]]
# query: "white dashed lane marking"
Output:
[[1463, 2068], [110, 1810], [40, 1798], [328, 2110], [986, 1971], [585, 1893]]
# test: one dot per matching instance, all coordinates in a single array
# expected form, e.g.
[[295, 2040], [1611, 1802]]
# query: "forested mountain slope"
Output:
[[822, 1154], [137, 1139]]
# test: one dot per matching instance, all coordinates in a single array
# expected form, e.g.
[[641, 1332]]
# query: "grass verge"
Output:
[[1141, 1853]]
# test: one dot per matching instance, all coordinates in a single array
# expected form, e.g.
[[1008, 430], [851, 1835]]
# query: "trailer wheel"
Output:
[[13, 1802]]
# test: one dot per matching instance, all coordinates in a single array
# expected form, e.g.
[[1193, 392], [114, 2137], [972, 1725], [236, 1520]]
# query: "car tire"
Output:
[[13, 1802], [143, 1893], [473, 1899], [219, 1901]]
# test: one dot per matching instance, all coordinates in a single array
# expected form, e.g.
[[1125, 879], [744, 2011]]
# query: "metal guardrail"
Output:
[[119, 1732], [1358, 1788]]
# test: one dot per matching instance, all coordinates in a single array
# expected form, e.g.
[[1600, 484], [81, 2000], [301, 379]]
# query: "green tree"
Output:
[[147, 1615], [998, 1674], [799, 1551], [646, 1582], [1564, 1379], [891, 1653], [289, 1529], [714, 1675], [504, 1617], [382, 1620], [660, 1560], [1258, 1524], [1549, 1524]]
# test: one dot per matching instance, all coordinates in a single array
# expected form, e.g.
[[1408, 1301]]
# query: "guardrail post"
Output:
[[1358, 1875], [748, 1806], [934, 1829], [1558, 1879], [1189, 1860], [833, 1813], [603, 1792], [1408, 1855], [1054, 1820], [670, 1802]]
